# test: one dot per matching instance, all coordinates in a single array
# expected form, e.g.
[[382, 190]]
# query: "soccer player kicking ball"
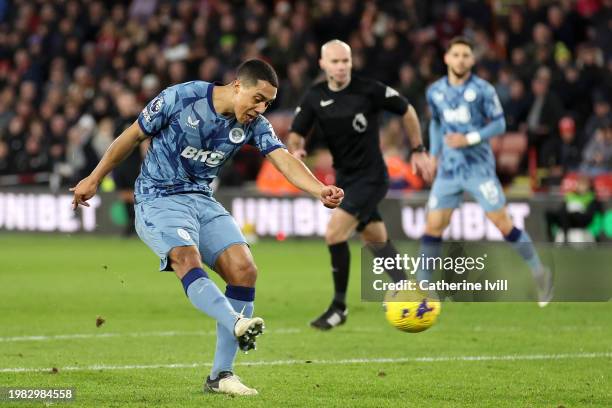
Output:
[[347, 111], [195, 128], [466, 113]]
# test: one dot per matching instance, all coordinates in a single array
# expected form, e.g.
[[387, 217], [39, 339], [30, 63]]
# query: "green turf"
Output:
[[58, 285]]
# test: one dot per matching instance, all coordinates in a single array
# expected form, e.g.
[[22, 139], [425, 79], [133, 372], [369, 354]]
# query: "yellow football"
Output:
[[411, 311]]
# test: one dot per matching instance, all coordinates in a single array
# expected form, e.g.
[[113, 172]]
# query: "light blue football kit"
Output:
[[189, 144], [174, 206], [472, 109]]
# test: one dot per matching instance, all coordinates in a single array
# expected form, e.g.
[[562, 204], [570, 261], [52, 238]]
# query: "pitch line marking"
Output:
[[432, 359], [288, 330], [78, 336], [111, 335]]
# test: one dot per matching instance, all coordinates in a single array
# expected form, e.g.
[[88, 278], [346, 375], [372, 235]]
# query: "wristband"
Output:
[[473, 138], [419, 149]]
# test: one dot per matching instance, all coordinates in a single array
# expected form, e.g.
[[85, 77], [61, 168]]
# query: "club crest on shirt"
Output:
[[438, 96], [236, 135], [360, 123], [469, 95]]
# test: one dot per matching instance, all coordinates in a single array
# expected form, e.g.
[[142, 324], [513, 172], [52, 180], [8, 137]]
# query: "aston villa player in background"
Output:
[[466, 113]]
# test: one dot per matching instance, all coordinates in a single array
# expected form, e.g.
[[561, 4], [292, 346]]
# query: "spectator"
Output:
[[503, 85], [102, 136], [522, 67], [32, 158], [57, 138], [5, 159], [413, 88], [81, 151], [390, 54], [281, 50], [15, 138], [544, 113], [562, 30], [578, 211], [601, 115], [450, 25], [518, 34], [590, 60], [534, 12], [597, 156], [7, 97], [516, 107], [541, 49], [292, 88], [573, 91], [562, 154], [601, 28], [61, 59], [125, 174], [324, 22]]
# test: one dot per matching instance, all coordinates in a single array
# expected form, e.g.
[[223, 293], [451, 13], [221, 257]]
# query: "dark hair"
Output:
[[460, 40], [253, 70]]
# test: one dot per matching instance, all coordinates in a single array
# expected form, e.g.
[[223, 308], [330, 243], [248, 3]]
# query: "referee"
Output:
[[346, 112]]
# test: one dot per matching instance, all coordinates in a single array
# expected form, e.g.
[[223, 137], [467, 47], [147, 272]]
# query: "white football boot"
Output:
[[246, 331], [228, 383]]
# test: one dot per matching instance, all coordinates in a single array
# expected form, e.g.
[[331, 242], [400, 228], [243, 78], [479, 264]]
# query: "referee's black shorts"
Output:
[[125, 176], [361, 198], [126, 173]]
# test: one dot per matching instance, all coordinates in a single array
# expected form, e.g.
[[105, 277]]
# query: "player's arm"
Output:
[[494, 128], [496, 125], [435, 140], [303, 121], [411, 123], [298, 174], [435, 137], [121, 148], [420, 160], [390, 100]]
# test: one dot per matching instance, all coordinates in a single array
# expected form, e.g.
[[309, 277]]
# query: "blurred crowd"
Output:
[[73, 73]]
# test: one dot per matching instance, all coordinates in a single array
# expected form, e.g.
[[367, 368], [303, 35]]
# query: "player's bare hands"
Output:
[[299, 154], [456, 140], [83, 191], [423, 166], [331, 196]]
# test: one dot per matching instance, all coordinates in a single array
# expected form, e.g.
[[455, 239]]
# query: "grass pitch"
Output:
[[155, 349]]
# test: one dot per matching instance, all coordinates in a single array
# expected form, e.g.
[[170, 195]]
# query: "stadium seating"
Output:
[[509, 150]]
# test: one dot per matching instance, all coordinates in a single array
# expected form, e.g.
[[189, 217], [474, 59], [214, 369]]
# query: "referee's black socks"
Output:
[[387, 250], [340, 261]]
